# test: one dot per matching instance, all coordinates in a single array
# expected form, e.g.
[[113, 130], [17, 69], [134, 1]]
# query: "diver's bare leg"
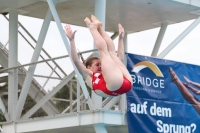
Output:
[[185, 93], [111, 73], [111, 49], [191, 82], [195, 91]]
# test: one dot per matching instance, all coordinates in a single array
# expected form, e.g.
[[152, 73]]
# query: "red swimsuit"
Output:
[[99, 86]]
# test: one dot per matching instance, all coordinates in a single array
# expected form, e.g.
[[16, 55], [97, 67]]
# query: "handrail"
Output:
[[37, 62], [20, 68]]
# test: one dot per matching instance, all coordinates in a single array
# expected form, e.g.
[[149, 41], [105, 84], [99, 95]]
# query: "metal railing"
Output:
[[74, 100]]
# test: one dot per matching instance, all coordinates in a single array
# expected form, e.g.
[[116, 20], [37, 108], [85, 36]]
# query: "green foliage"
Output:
[[62, 94], [29, 104], [2, 118]]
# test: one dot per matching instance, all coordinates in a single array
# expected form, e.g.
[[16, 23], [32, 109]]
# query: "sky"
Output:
[[138, 43], [141, 43]]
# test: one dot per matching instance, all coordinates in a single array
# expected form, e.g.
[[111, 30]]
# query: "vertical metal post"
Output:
[[31, 69], [84, 105], [179, 38], [12, 62], [122, 102], [60, 28], [70, 96], [100, 13], [78, 96], [81, 103], [100, 128], [125, 42], [159, 39]]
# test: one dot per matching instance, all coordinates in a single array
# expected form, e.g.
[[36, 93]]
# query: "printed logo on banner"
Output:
[[153, 81], [153, 67]]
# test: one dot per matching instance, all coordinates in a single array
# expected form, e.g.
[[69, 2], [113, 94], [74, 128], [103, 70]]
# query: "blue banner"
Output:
[[165, 97]]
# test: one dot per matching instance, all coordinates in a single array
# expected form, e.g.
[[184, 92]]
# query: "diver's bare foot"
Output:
[[96, 21], [173, 75], [121, 31], [90, 25]]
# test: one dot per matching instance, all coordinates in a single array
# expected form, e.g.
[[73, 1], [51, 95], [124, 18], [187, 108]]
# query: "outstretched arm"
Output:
[[195, 91], [120, 51], [191, 82], [81, 68]]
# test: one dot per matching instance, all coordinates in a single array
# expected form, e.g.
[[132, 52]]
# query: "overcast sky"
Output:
[[139, 43]]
